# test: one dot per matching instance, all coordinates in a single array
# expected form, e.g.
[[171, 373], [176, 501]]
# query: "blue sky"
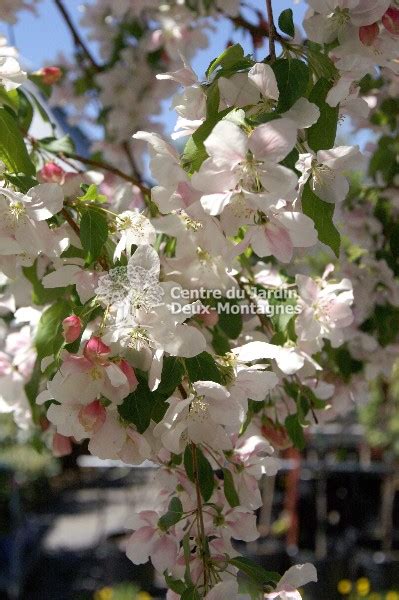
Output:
[[40, 38]]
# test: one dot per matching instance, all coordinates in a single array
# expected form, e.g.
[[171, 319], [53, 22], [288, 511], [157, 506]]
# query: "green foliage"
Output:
[[286, 22], [293, 79], [321, 214], [40, 294], [255, 571], [323, 133], [230, 61], [137, 407], [295, 431], [93, 233], [205, 474], [49, 338], [172, 516], [229, 489], [57, 145], [202, 368], [13, 151]]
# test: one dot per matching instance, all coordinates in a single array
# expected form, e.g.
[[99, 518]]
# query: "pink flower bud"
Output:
[[368, 34], [72, 327], [96, 351], [62, 446], [129, 372], [50, 75], [209, 317], [52, 173], [391, 20], [92, 416]]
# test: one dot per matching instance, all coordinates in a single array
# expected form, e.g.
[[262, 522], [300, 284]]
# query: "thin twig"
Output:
[[98, 164], [272, 30], [70, 221], [200, 516], [76, 37]]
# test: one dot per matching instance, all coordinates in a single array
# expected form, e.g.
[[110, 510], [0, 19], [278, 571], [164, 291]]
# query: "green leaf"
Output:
[[230, 322], [40, 294], [22, 182], [228, 58], [52, 144], [292, 78], [191, 593], [202, 368], [9, 98], [254, 571], [194, 152], [322, 134], [321, 214], [172, 375], [93, 233], [286, 22], [13, 151], [49, 338], [137, 406], [25, 112], [176, 585], [229, 489], [206, 477], [173, 516], [91, 194], [295, 431]]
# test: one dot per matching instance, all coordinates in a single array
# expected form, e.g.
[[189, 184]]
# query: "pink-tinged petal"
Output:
[[92, 416], [223, 591], [273, 240], [299, 227], [227, 145], [62, 445], [96, 351], [243, 526], [263, 77], [164, 553], [61, 277], [214, 204], [72, 328], [139, 545], [116, 376], [129, 373], [297, 576], [273, 141], [212, 177], [47, 199]]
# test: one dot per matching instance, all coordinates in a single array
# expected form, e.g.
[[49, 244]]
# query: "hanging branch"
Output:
[[107, 167], [75, 35]]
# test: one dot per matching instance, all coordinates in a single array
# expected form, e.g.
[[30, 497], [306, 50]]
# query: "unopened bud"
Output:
[[72, 328], [391, 20], [368, 34]]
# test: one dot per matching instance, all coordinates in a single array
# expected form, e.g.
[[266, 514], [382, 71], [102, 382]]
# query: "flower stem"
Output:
[[200, 517]]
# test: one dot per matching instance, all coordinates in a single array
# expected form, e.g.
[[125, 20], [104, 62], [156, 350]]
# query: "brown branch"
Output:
[[272, 30], [70, 221], [98, 164], [262, 29], [75, 35]]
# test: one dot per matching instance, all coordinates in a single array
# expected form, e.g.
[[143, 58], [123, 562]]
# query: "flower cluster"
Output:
[[114, 351]]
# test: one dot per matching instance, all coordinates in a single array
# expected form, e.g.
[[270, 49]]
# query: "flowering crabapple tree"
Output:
[[205, 320]]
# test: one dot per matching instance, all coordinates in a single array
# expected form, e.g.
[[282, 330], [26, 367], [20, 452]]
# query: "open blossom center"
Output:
[[138, 339], [321, 172], [340, 17], [199, 409], [250, 179]]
